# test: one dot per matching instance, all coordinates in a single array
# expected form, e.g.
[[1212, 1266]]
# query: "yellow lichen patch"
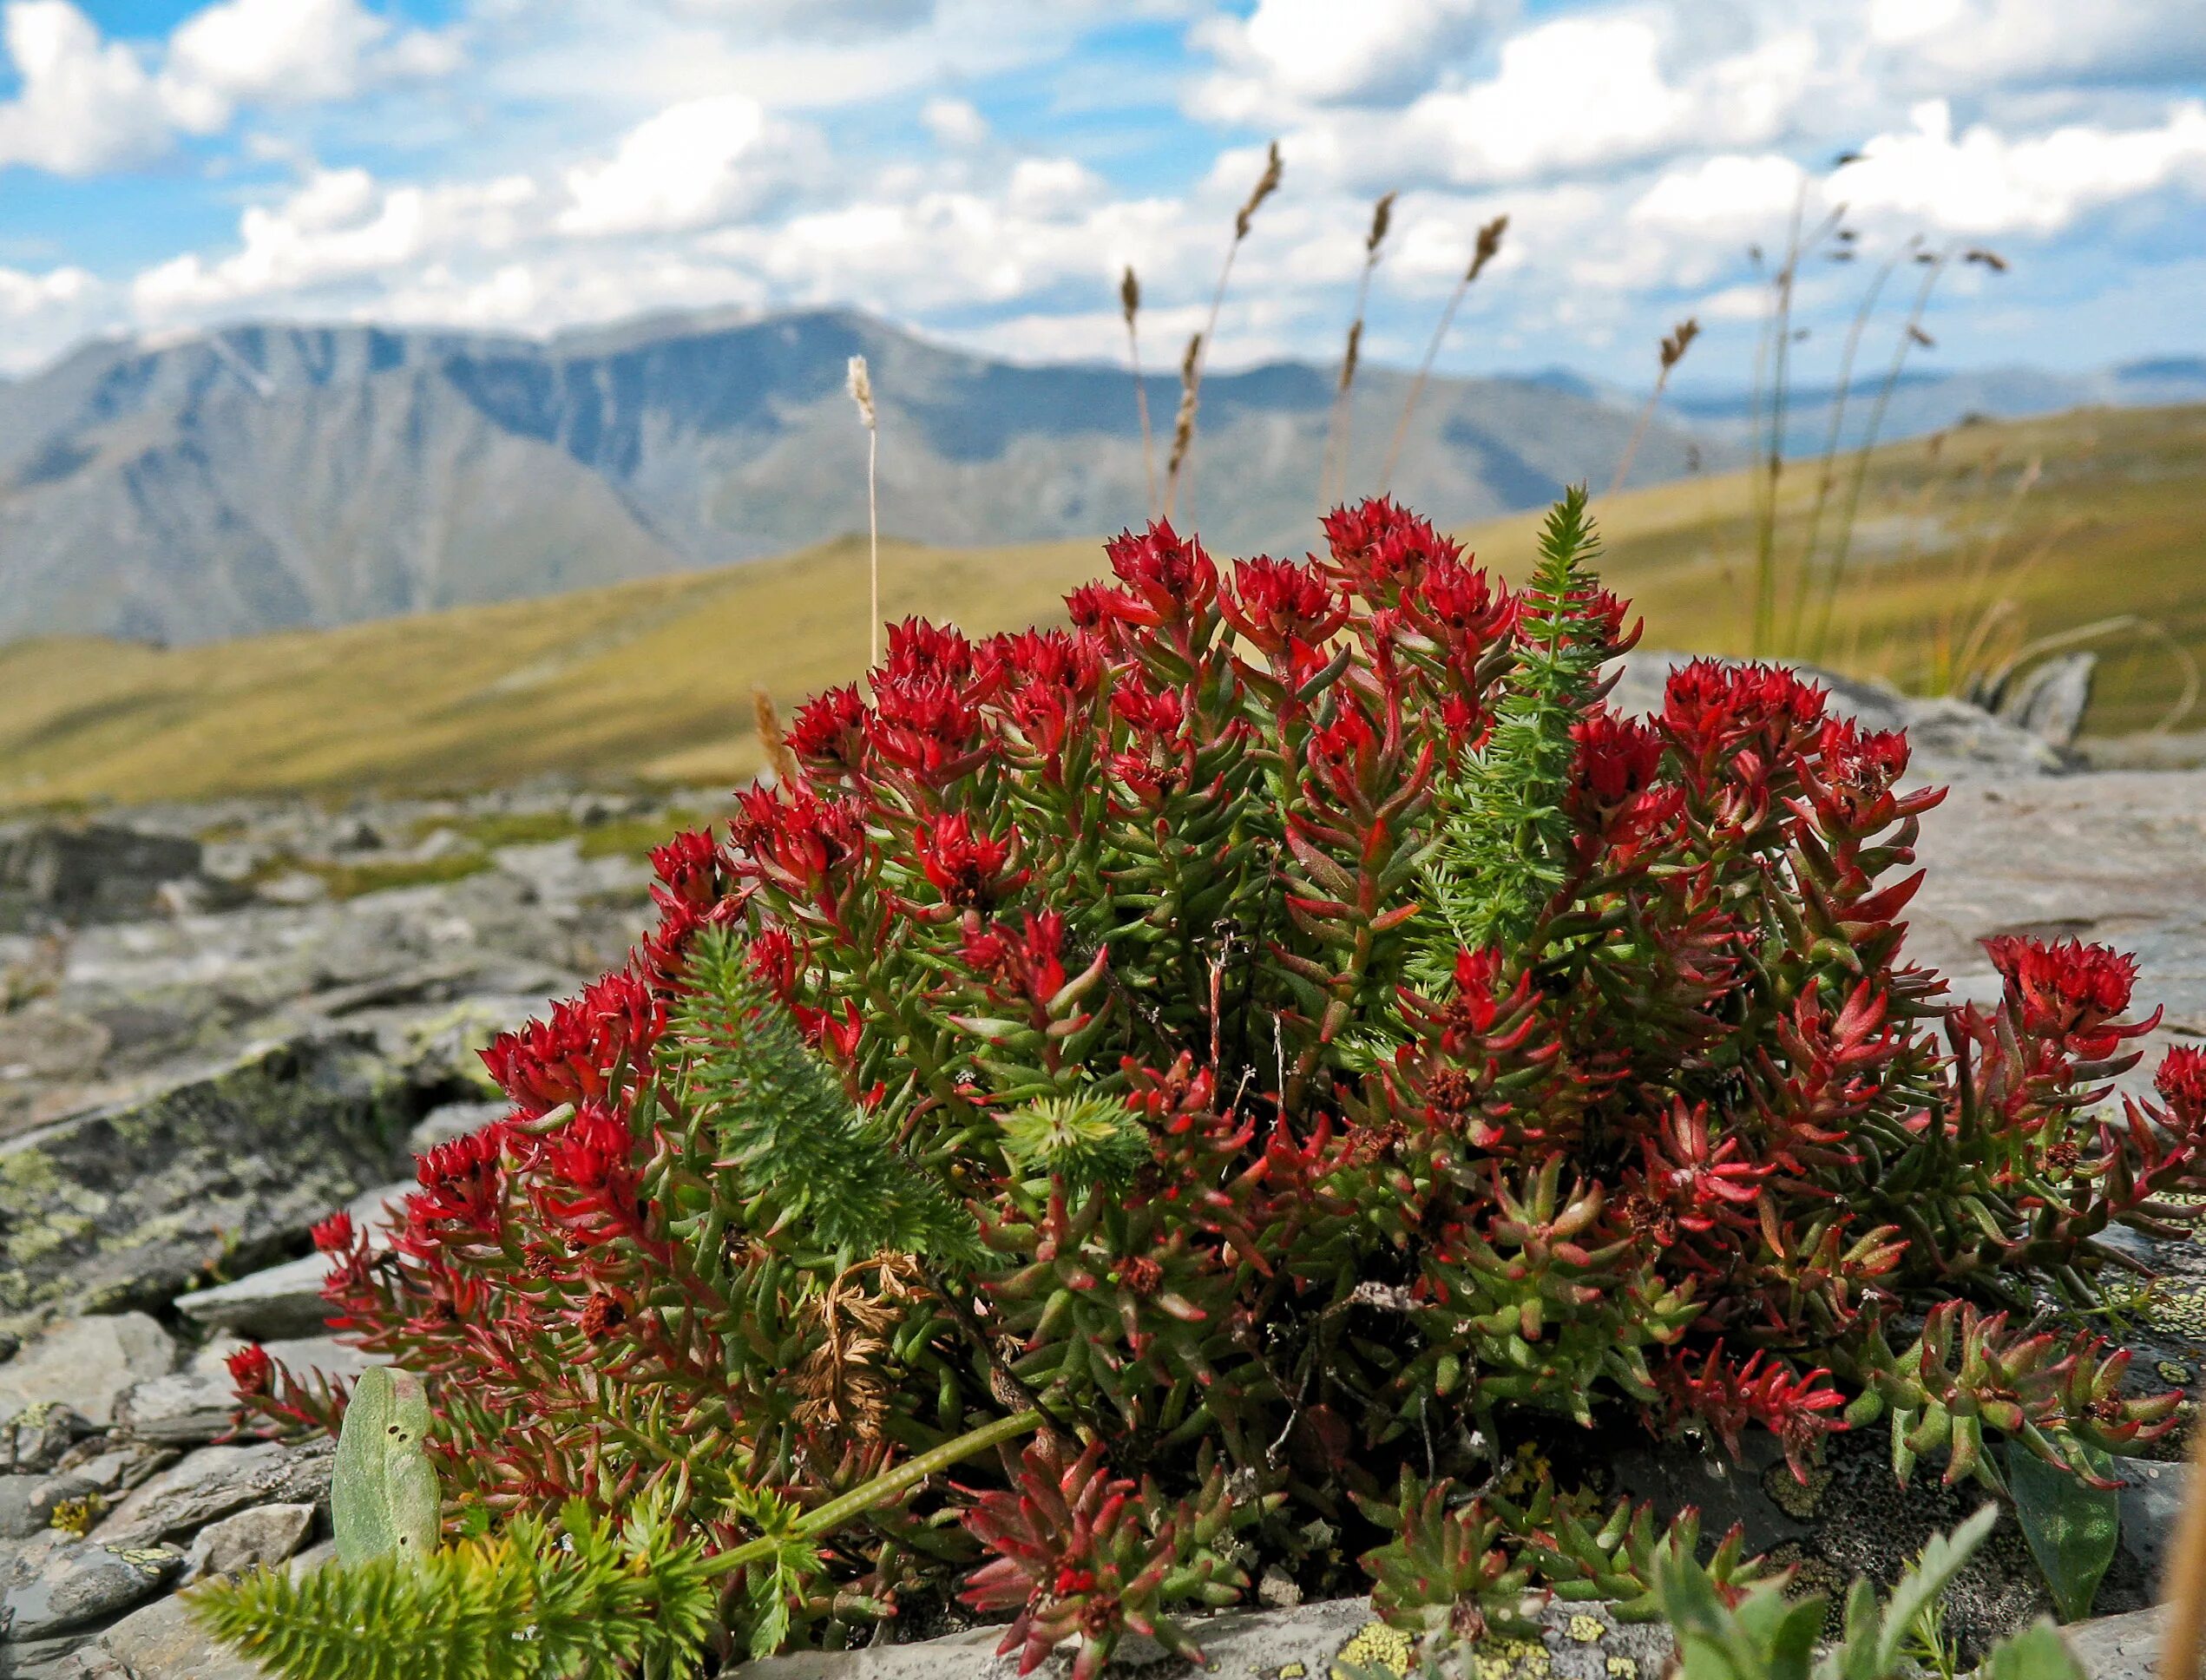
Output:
[[1586, 1629], [1624, 1668], [1510, 1659], [2171, 1371], [1292, 1671], [1375, 1645], [2182, 1311], [1790, 1494], [76, 1517]]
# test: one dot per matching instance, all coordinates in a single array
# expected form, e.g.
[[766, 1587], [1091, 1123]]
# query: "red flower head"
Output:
[[1044, 658], [591, 1150], [795, 836], [1379, 549], [969, 870], [1457, 605], [251, 1370], [1858, 769], [1475, 1006], [1029, 964], [774, 961], [829, 732], [1712, 708], [461, 1182], [1794, 1410], [334, 1234], [929, 725], [1279, 603], [2182, 1083], [1168, 577], [1618, 759], [920, 652], [577, 1054], [1099, 609], [688, 870], [2068, 989]]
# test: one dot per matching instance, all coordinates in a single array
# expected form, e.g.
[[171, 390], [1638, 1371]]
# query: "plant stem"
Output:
[[873, 542], [880, 1490], [1141, 403]]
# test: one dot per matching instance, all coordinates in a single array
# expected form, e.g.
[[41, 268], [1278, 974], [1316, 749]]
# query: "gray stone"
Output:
[[214, 1482], [2152, 1507], [2051, 698], [36, 1437], [53, 874], [116, 1465], [2119, 1647], [57, 1583], [161, 1641], [258, 1538], [129, 1204], [1577, 1642], [188, 1408], [287, 1300], [304, 1355], [85, 1362], [443, 1124], [27, 1503]]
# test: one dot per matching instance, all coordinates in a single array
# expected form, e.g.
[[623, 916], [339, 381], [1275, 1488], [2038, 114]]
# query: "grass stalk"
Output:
[[1334, 462], [1673, 351], [1489, 246], [861, 387], [1197, 347], [1130, 304]]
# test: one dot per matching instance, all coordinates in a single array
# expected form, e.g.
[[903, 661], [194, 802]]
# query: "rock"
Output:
[[129, 1204], [116, 1465], [51, 874], [295, 887], [287, 1300], [36, 1437], [2152, 1505], [43, 1044], [1576, 1642], [2117, 1647], [27, 1503], [86, 1362], [306, 1355], [214, 1482], [258, 1538], [458, 1120], [188, 1408], [57, 1583], [161, 1641], [2051, 698]]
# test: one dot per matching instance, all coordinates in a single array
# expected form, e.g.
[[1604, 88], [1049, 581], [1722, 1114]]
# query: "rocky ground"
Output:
[[218, 1024]]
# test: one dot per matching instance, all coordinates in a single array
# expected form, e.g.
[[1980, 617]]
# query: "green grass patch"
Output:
[[635, 836]]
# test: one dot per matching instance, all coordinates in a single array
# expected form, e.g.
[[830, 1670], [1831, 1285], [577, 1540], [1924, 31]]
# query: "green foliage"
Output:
[[581, 1602], [1085, 1141], [1766, 1636], [1444, 1571], [2071, 1525], [384, 1497], [785, 1123], [1504, 837]]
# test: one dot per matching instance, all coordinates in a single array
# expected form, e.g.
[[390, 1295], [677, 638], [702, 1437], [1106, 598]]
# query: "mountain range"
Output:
[[268, 477]]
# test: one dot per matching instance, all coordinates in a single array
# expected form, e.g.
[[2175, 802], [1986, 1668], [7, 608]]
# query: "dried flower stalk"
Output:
[[1332, 478], [1191, 377], [861, 387], [1674, 347], [1130, 306], [1487, 248]]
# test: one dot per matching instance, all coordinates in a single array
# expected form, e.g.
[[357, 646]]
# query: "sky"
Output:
[[981, 170]]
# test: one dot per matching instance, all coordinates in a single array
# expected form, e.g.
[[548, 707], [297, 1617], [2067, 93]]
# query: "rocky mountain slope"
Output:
[[274, 476]]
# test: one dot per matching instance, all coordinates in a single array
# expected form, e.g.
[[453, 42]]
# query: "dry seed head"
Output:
[[1267, 184], [1680, 339], [1129, 294], [1381, 218], [779, 758], [861, 387], [1489, 247], [1991, 260], [1183, 431], [1923, 338]]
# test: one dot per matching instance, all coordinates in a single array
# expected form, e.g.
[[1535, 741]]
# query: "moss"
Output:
[[635, 836]]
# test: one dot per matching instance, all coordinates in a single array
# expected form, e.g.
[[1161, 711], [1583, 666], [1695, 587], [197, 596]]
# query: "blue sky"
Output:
[[981, 169]]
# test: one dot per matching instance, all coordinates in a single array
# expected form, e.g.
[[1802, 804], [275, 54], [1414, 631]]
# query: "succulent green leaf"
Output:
[[383, 1497], [2073, 1527], [2037, 1653]]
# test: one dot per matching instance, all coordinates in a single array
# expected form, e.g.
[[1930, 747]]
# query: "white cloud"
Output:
[[702, 161], [289, 52], [1982, 182], [339, 227], [1323, 49], [1953, 44], [85, 104], [955, 123]]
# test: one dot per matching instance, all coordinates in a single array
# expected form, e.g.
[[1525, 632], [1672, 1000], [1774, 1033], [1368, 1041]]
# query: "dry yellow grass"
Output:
[[654, 681]]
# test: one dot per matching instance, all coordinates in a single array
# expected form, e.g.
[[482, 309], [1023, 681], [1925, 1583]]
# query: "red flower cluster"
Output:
[[1126, 939]]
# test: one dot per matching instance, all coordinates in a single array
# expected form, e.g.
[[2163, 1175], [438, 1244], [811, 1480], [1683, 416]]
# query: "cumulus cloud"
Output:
[[1295, 50], [85, 104], [955, 123], [1974, 43], [699, 162], [290, 52]]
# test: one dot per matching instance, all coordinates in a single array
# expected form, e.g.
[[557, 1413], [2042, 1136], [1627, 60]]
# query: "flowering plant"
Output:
[[1255, 1042]]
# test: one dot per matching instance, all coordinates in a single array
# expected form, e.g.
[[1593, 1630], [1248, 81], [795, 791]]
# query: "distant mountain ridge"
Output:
[[267, 478]]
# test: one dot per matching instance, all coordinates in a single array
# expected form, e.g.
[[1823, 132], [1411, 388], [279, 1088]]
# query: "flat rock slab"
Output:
[[2119, 1647], [161, 1641], [1326, 1641], [287, 1300], [56, 1584], [126, 1205], [86, 1364], [216, 1481]]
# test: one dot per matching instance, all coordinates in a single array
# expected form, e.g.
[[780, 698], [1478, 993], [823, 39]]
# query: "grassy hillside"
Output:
[[649, 679], [652, 679], [1951, 547]]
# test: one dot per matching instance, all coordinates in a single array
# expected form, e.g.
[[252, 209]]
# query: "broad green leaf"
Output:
[[2037, 1653], [383, 1497], [2073, 1527]]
